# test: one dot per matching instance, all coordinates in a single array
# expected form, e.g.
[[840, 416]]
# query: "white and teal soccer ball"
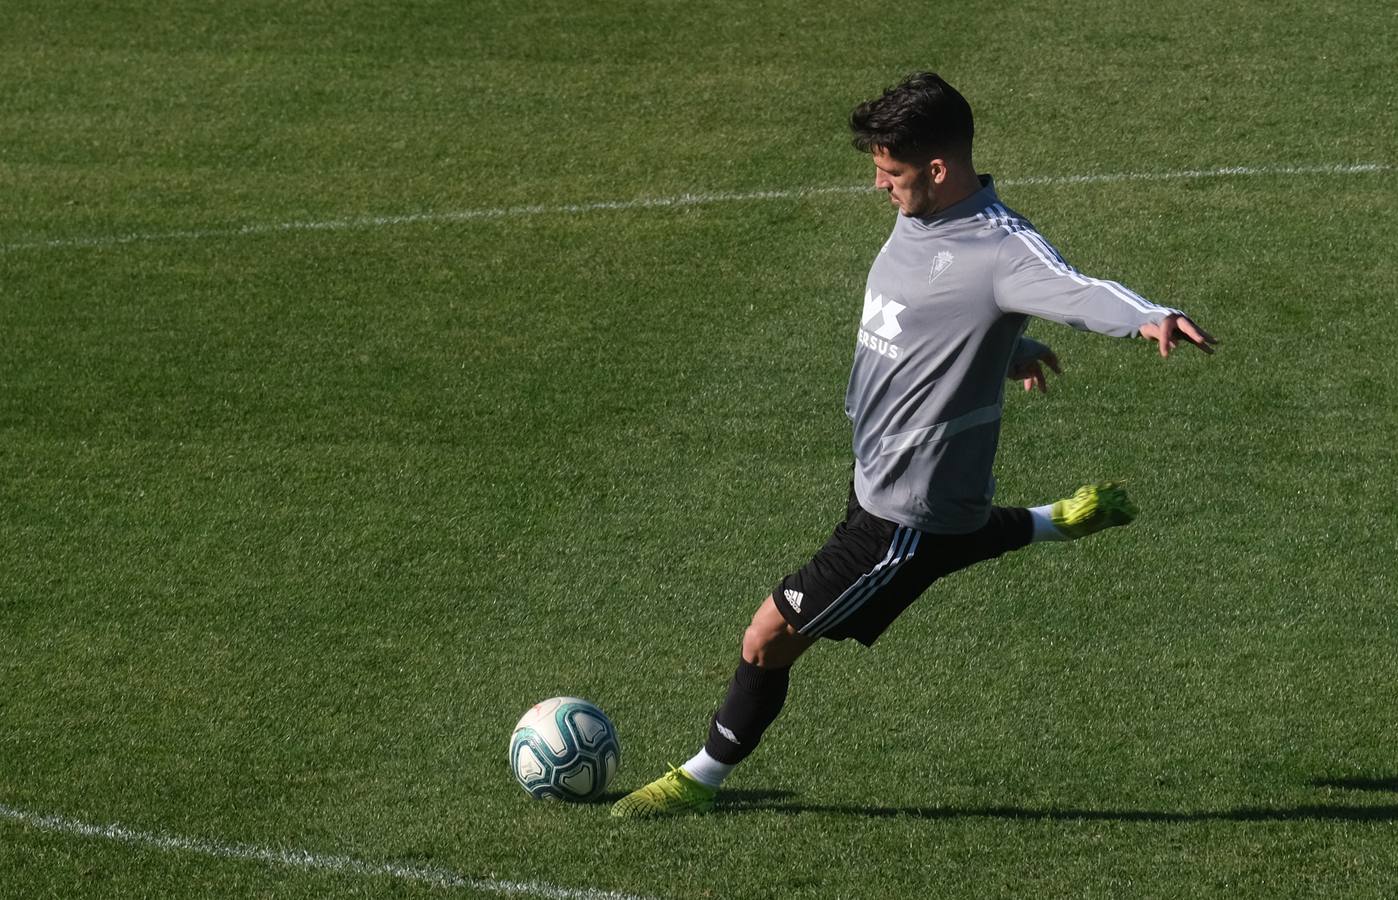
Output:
[[564, 749]]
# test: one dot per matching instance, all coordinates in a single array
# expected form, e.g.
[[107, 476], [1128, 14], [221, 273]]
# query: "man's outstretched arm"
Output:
[[1032, 278]]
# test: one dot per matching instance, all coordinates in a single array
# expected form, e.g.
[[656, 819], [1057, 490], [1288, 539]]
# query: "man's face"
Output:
[[909, 185]]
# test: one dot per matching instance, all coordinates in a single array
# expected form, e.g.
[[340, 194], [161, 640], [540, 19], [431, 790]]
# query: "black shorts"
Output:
[[871, 569]]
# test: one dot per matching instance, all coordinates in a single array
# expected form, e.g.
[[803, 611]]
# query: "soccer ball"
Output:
[[564, 749]]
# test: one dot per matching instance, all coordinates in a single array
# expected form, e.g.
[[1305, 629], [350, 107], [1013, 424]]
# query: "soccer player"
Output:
[[945, 307]]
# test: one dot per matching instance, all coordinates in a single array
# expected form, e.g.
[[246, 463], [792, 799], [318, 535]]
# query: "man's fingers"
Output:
[[1154, 332], [1196, 335], [1031, 374], [1172, 329], [1033, 377]]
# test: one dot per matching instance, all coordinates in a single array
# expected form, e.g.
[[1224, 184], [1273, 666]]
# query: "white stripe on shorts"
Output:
[[901, 549]]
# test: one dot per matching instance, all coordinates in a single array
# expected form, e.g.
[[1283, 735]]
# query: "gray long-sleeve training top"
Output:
[[945, 308]]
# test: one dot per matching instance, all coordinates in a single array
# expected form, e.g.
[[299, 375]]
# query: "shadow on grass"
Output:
[[1245, 814], [738, 802]]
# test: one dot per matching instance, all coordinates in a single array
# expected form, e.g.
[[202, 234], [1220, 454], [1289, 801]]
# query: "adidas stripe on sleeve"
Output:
[[1031, 277]]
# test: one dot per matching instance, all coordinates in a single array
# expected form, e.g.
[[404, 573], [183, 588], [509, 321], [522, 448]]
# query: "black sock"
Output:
[[755, 697]]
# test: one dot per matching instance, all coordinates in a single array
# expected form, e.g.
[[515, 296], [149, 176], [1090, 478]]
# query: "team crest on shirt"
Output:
[[940, 263]]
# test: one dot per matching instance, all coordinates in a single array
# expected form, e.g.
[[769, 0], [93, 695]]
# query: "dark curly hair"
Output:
[[918, 119]]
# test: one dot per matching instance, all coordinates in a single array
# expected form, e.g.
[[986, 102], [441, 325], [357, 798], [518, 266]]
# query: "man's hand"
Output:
[[1031, 373], [1169, 330]]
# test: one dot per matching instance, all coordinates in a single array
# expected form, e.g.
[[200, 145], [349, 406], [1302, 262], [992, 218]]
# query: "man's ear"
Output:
[[937, 169]]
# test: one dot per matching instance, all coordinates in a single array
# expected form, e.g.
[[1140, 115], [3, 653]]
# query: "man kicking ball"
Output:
[[945, 308]]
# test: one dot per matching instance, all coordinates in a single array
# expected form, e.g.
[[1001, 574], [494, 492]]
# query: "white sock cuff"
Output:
[[706, 770], [1044, 529]]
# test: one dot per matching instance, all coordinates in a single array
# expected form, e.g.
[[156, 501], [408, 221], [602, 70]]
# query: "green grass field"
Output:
[[302, 504]]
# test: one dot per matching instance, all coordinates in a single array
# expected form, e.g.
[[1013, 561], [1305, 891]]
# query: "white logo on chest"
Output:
[[888, 310], [940, 263]]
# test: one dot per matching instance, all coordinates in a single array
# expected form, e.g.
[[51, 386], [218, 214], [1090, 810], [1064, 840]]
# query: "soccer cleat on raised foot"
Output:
[[671, 793], [1092, 508]]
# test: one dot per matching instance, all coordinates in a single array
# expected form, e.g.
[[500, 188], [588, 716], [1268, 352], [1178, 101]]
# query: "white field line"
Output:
[[681, 200], [302, 859]]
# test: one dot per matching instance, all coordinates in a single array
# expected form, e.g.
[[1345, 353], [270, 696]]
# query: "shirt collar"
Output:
[[967, 207]]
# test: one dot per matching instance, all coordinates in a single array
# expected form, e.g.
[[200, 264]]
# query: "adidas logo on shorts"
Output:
[[794, 598]]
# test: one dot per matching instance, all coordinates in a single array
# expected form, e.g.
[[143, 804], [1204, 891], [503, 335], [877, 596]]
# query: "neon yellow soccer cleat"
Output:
[[1092, 508], [670, 794]]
